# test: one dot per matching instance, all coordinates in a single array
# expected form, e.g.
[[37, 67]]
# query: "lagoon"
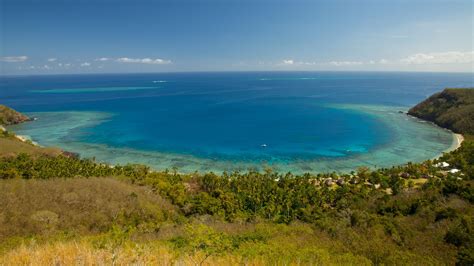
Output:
[[290, 121]]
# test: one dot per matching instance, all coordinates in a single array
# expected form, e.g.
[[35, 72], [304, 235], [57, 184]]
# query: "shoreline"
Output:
[[459, 138], [189, 163], [457, 142]]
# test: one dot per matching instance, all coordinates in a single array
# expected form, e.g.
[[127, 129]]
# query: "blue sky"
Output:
[[78, 36]]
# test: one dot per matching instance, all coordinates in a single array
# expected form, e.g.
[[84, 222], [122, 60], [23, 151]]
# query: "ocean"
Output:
[[227, 121]]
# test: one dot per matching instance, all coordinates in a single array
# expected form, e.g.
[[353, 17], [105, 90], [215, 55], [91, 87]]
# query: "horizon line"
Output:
[[235, 71]]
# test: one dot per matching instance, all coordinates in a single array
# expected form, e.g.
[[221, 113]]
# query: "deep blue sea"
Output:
[[291, 121]]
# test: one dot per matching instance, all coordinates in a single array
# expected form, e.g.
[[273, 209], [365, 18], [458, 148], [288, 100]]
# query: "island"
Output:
[[59, 209]]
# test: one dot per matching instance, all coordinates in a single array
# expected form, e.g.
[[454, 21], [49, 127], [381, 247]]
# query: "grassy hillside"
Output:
[[78, 206], [236, 244], [9, 116], [451, 108], [11, 146]]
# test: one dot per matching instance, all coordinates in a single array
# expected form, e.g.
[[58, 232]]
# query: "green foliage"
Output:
[[113, 239], [462, 158], [461, 234], [448, 213], [465, 256], [463, 189], [199, 238], [47, 167], [452, 108]]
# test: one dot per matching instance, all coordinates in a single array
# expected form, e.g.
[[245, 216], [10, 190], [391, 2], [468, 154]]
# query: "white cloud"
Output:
[[52, 59], [14, 59], [291, 62], [156, 61], [103, 59], [453, 57], [345, 63], [85, 64]]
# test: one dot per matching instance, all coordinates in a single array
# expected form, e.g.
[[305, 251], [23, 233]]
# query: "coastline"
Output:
[[66, 123], [457, 142], [458, 139]]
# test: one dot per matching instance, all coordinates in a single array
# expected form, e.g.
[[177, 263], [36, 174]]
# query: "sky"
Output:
[[115, 36]]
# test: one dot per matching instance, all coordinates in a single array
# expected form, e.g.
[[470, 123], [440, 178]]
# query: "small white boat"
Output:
[[263, 145]]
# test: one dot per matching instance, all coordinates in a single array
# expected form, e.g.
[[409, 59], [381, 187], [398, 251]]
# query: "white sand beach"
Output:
[[458, 141]]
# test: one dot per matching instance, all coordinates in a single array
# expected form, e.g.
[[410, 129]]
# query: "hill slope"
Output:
[[80, 205], [11, 145], [9, 116], [451, 108]]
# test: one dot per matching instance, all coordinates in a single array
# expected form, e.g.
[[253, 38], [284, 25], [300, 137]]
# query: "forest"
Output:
[[451, 108]]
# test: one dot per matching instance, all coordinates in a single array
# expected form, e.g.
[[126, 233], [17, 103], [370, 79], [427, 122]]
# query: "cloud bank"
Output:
[[453, 57], [13, 59], [346, 63], [151, 61]]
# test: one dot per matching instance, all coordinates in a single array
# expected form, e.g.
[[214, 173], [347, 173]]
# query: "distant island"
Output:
[[60, 209]]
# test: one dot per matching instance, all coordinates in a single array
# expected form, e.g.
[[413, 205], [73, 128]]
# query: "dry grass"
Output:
[[10, 146], [82, 253], [74, 253], [80, 206]]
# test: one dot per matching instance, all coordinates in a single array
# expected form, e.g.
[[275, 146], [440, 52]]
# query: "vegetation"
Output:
[[60, 209], [9, 116], [11, 146], [368, 217], [77, 206], [451, 108]]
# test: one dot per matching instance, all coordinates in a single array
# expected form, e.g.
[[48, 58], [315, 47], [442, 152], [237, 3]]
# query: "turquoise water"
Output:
[[298, 122], [85, 90]]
